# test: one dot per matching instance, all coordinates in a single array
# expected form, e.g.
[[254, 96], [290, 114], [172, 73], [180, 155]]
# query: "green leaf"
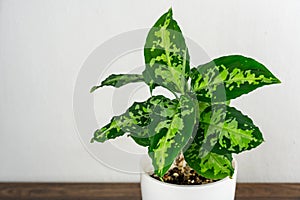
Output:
[[208, 162], [204, 105], [134, 121], [173, 125], [229, 77], [143, 141], [118, 80], [110, 131], [212, 165], [166, 55], [226, 128], [166, 108]]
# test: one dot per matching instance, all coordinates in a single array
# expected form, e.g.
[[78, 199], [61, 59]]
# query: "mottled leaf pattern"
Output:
[[227, 128], [173, 131], [134, 121], [212, 165], [110, 131], [215, 114], [209, 163], [200, 123], [229, 77], [118, 80], [166, 55], [145, 111]]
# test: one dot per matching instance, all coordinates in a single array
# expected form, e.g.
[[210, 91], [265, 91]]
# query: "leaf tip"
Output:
[[94, 88], [170, 11], [92, 140], [278, 81]]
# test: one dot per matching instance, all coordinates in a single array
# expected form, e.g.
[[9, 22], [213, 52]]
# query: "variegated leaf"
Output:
[[166, 55], [173, 131], [134, 121], [110, 131], [203, 105], [118, 80], [142, 112], [143, 141], [229, 77], [228, 129], [211, 165]]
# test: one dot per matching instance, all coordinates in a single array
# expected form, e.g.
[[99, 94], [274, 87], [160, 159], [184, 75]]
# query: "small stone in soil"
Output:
[[187, 177]]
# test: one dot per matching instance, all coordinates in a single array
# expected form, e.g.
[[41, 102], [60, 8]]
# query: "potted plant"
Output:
[[192, 137]]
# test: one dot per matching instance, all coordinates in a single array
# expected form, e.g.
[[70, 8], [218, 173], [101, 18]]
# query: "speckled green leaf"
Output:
[[229, 77], [228, 129], [139, 130], [134, 121], [211, 165], [166, 55], [110, 131], [173, 131], [118, 80]]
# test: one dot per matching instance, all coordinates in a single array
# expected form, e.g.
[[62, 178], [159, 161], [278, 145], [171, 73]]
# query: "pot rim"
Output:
[[234, 176]]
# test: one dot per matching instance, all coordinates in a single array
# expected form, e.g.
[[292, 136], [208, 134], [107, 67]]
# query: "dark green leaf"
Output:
[[118, 80], [143, 141], [229, 77]]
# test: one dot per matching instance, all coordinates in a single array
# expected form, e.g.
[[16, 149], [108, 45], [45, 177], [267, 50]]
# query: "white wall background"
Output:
[[44, 43]]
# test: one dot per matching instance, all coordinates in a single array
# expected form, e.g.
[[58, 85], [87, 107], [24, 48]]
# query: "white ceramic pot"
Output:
[[153, 189]]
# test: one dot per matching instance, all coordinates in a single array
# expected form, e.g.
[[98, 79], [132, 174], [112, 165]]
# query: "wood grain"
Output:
[[268, 191], [131, 191]]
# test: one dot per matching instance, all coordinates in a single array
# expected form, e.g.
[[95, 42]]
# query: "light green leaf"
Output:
[[173, 126], [228, 129], [229, 77], [166, 55], [118, 80]]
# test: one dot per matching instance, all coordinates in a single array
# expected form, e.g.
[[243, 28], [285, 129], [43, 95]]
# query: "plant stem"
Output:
[[179, 162]]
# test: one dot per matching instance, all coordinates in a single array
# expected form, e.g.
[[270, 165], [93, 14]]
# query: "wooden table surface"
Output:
[[131, 191]]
